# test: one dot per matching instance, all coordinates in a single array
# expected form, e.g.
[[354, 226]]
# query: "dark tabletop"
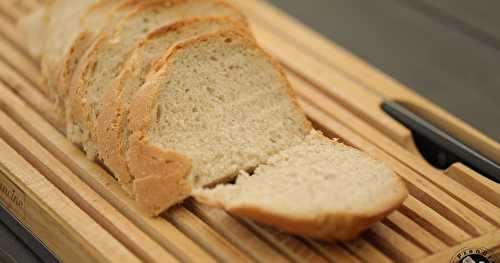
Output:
[[12, 249], [445, 50]]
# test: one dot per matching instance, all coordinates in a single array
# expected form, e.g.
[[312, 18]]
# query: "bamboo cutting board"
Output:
[[77, 209]]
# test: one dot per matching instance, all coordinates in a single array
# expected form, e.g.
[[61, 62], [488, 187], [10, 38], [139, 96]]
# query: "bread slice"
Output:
[[216, 105], [319, 188], [111, 127], [103, 62], [100, 17]]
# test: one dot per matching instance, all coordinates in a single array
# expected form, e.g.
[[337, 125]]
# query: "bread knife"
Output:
[[438, 147]]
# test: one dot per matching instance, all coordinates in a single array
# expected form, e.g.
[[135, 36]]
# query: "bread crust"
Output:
[[160, 175], [324, 226], [111, 123], [70, 62]]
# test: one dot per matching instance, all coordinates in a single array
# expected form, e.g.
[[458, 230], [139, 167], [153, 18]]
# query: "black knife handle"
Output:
[[444, 148]]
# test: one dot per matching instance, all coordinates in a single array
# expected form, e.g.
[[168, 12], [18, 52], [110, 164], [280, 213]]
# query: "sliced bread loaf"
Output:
[[319, 188], [103, 62], [100, 17], [111, 127], [217, 104]]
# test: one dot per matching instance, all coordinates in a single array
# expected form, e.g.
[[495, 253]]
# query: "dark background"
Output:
[[445, 50]]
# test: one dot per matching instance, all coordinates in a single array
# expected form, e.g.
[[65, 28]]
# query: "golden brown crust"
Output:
[[70, 62], [326, 226], [79, 109], [110, 133], [110, 125], [160, 175]]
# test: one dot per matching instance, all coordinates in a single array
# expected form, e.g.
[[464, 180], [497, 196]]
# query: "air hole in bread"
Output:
[[158, 114]]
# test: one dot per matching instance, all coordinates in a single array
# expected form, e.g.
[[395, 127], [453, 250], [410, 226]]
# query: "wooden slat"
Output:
[[433, 222], [29, 93], [333, 252], [414, 232], [9, 30], [20, 62], [484, 187], [418, 186], [458, 191], [235, 232], [287, 244], [366, 251], [48, 213], [92, 174], [86, 198], [392, 244], [197, 230], [490, 240]]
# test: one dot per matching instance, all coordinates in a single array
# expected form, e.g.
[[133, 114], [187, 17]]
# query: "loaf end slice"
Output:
[[320, 189], [218, 100]]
